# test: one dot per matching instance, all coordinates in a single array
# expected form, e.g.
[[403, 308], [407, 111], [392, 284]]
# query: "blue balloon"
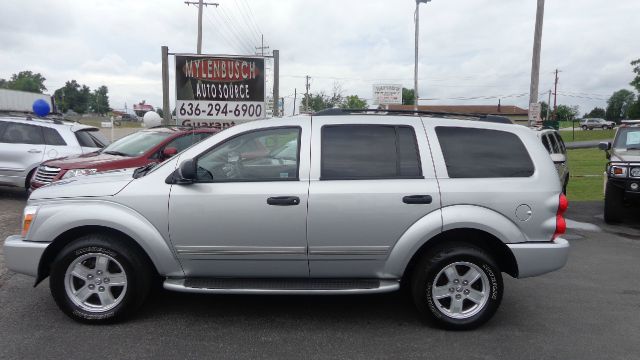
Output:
[[41, 108]]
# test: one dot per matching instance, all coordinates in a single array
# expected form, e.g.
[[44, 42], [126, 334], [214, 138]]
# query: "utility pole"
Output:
[[200, 4], [548, 105], [535, 60], [276, 82], [262, 48], [166, 111], [295, 96], [415, 68], [555, 98], [306, 98]]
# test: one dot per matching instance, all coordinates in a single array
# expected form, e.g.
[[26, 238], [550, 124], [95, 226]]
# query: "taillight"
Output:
[[561, 224]]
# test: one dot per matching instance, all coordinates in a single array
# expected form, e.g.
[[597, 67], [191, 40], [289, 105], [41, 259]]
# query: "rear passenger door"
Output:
[[371, 179], [21, 149]]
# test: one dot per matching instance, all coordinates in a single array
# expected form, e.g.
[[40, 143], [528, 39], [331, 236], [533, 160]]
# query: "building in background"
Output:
[[142, 108]]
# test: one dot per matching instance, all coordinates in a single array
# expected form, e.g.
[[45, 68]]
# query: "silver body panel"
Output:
[[340, 229]]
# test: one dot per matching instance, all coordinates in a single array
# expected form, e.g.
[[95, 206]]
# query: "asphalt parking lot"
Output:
[[588, 310]]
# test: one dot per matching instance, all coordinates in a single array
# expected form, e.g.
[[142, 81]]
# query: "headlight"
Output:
[[76, 172], [618, 171], [28, 216], [635, 172]]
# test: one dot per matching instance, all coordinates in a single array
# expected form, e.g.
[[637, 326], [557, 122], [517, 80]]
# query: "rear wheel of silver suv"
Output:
[[98, 279], [457, 286]]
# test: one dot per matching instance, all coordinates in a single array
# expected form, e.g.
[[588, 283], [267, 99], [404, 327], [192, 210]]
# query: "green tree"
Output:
[[634, 111], [618, 105], [353, 102], [315, 102], [566, 113], [3, 84], [636, 69], [26, 81], [543, 110], [160, 112], [408, 96], [73, 96], [596, 112], [99, 100]]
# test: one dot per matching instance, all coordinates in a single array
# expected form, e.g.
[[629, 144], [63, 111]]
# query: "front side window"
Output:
[[16, 133], [352, 152], [483, 153], [263, 155]]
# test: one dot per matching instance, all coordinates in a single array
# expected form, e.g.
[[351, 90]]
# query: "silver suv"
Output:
[[26, 142], [346, 204], [590, 124]]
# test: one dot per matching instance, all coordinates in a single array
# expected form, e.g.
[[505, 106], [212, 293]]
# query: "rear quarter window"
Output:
[[483, 153]]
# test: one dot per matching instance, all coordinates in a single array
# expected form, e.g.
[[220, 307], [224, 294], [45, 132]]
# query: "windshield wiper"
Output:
[[119, 153], [143, 170]]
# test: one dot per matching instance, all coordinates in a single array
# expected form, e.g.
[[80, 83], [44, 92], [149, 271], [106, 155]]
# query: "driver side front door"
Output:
[[246, 214]]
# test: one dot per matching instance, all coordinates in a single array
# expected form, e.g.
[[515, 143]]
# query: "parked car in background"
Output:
[[132, 151], [554, 144], [345, 204], [622, 176], [26, 142], [590, 124]]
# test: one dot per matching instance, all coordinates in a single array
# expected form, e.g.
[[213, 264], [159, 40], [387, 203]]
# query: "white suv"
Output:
[[26, 142]]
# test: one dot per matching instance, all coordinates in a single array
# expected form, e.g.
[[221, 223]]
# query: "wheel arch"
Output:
[[50, 253], [494, 247]]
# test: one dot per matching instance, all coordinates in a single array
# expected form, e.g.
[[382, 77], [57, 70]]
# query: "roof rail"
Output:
[[182, 127], [479, 117]]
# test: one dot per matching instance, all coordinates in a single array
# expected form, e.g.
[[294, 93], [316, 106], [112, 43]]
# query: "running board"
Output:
[[281, 286]]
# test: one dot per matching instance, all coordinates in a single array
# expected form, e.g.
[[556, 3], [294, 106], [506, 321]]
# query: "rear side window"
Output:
[[369, 152], [563, 149], [483, 153], [554, 144], [52, 137], [16, 133], [545, 142]]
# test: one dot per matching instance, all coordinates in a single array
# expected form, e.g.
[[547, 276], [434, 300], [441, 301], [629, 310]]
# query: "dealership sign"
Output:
[[219, 91], [385, 94]]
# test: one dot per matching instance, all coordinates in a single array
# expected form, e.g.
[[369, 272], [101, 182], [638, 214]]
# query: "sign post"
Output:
[[219, 91], [534, 114]]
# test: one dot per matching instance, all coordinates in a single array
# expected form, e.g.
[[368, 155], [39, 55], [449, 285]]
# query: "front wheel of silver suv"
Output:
[[457, 286], [98, 279]]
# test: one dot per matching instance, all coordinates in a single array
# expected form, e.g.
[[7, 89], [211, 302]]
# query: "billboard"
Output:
[[219, 91], [387, 94]]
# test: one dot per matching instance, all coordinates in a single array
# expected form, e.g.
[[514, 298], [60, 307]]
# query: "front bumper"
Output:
[[23, 256], [539, 258]]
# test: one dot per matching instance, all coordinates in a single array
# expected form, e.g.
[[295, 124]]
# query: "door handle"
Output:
[[283, 200], [34, 151], [417, 199]]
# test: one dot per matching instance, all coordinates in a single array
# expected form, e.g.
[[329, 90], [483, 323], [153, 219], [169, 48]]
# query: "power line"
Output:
[[219, 31], [253, 18], [241, 35]]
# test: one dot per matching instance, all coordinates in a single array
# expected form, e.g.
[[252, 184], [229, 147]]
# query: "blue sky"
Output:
[[469, 48]]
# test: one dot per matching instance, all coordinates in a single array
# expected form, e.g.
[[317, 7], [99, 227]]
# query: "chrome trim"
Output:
[[178, 285], [241, 250], [349, 250]]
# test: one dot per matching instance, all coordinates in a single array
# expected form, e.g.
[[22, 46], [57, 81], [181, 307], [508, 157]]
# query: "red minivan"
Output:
[[147, 146]]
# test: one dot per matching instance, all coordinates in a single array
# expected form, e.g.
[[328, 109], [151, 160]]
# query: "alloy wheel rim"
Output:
[[95, 282], [460, 290]]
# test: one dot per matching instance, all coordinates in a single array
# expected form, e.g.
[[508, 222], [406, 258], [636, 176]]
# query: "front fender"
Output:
[[55, 218]]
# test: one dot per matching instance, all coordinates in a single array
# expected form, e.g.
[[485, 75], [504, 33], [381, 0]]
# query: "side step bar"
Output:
[[281, 286]]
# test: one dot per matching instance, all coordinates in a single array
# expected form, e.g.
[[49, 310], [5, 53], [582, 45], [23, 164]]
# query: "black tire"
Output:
[[428, 272], [27, 182], [138, 275], [584, 127], [565, 185], [604, 127], [613, 204]]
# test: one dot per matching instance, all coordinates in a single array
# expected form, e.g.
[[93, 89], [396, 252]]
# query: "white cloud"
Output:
[[467, 48]]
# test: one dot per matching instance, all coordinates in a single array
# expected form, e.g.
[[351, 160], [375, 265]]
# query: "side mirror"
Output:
[[187, 171], [169, 152], [558, 158], [605, 145]]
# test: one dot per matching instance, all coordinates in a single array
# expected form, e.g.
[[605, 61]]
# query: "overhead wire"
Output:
[[241, 36]]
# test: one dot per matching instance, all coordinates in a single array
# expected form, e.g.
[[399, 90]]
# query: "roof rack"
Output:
[[479, 117]]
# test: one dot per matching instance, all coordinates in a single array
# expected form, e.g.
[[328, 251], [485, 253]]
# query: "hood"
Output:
[[106, 183], [626, 155], [93, 160]]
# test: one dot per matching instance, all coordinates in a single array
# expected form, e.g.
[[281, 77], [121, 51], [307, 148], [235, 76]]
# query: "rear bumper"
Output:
[[23, 256], [539, 258]]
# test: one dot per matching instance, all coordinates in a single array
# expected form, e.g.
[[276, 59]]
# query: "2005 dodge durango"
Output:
[[339, 204]]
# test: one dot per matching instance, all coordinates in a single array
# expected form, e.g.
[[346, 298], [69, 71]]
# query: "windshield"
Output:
[[136, 144], [627, 138]]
